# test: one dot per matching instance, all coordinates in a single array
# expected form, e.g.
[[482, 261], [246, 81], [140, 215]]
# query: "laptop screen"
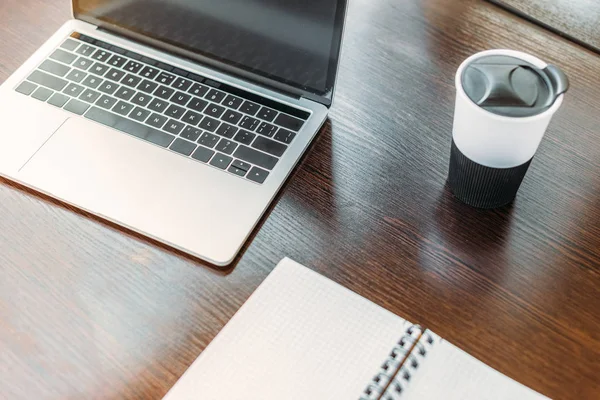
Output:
[[295, 42]]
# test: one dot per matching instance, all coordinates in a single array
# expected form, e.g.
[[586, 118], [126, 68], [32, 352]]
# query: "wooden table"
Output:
[[88, 311], [578, 20]]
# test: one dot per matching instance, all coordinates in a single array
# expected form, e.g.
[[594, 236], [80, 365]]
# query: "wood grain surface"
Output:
[[577, 19], [90, 311]]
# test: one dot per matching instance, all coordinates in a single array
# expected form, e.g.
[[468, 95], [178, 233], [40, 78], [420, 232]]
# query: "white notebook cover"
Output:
[[302, 336]]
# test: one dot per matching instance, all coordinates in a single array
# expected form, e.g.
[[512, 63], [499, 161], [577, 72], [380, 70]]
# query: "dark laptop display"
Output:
[[294, 42]]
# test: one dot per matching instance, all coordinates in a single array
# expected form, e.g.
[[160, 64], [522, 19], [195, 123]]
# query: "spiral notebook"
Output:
[[302, 336]]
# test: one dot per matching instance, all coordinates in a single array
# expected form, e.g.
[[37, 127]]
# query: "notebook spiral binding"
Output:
[[396, 372]]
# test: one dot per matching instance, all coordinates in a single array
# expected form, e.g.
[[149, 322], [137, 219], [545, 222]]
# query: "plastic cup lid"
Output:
[[512, 87]]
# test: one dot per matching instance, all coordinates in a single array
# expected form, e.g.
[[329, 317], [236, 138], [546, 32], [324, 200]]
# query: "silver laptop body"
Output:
[[155, 165]]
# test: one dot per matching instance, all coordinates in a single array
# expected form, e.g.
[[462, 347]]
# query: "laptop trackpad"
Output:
[[137, 184]]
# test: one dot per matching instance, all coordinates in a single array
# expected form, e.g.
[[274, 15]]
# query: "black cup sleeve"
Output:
[[481, 186]]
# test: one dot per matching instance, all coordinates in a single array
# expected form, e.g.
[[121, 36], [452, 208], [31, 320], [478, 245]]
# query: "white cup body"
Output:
[[493, 140]]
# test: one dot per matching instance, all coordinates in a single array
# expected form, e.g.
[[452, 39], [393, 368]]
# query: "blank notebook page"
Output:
[[299, 336], [451, 374]]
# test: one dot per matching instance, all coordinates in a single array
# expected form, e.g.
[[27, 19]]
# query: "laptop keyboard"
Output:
[[207, 121]]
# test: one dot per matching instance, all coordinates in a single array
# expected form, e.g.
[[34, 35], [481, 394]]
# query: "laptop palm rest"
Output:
[[20, 134], [141, 186]]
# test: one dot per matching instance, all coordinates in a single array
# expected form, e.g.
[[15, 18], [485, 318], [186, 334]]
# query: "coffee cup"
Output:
[[505, 101]]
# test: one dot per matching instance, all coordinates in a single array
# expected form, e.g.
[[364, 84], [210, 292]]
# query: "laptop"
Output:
[[177, 119]]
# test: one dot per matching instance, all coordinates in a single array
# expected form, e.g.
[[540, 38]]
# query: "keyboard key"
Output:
[[83, 63], [209, 124], [115, 75], [86, 38], [149, 61], [74, 90], [58, 100], [42, 94], [123, 108], [26, 88], [288, 122], [214, 110], [191, 118], [77, 107], [149, 73], [99, 69], [54, 68], [174, 127], [117, 49], [255, 157], [208, 140], [197, 104], [269, 146], [86, 50], [124, 93], [133, 66], [227, 130], [180, 72], [236, 171], [182, 84], [139, 114], [266, 129], [106, 102], [191, 133], [244, 137], [249, 123], [131, 80], [117, 61], [158, 105], [108, 87], [102, 117], [165, 78], [198, 90], [215, 95], [221, 161], [156, 120], [63, 56], [183, 147], [285, 136], [76, 75], [70, 44], [133, 55], [267, 114], [233, 102], [49, 81], [257, 175], [249, 108], [91, 81], [144, 132], [141, 99], [226, 146], [102, 44], [101, 55], [175, 111], [195, 77], [212, 83], [90, 96], [203, 154], [232, 117], [181, 98], [147, 86], [241, 165], [164, 92], [164, 66]]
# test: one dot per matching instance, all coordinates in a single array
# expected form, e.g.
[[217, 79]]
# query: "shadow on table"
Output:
[[477, 232]]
